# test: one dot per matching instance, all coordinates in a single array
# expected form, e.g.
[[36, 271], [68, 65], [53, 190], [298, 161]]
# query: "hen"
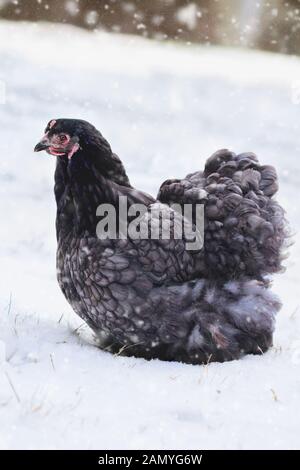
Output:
[[153, 297]]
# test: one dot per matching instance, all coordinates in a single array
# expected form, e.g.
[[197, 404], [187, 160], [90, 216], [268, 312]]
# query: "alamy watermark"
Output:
[[156, 222]]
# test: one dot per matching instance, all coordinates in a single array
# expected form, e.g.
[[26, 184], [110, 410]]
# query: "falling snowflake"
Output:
[[91, 18], [72, 7], [188, 15], [157, 20], [128, 7]]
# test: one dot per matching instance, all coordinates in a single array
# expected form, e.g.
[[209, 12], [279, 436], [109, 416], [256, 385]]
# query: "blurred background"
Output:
[[269, 25]]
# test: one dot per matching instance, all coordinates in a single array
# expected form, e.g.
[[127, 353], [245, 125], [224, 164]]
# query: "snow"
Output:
[[164, 108], [92, 17], [72, 7], [188, 15]]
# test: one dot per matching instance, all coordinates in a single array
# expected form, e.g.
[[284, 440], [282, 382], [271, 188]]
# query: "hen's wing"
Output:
[[245, 228], [141, 262]]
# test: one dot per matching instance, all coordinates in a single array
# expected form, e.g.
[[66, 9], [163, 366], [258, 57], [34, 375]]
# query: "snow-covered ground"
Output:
[[164, 109]]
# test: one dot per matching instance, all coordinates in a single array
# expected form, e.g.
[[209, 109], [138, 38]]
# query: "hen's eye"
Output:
[[62, 138]]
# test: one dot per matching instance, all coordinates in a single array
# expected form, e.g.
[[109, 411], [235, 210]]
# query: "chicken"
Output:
[[152, 297]]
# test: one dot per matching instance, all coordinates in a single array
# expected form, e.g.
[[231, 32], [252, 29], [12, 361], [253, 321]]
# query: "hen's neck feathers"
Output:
[[82, 184]]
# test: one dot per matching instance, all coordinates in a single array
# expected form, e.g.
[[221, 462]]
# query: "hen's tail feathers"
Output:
[[246, 232], [234, 319]]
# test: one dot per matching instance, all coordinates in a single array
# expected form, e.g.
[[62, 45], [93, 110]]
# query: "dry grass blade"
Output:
[[13, 388], [126, 347], [274, 395]]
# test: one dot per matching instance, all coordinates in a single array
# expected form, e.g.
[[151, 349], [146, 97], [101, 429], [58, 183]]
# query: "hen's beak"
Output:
[[44, 144]]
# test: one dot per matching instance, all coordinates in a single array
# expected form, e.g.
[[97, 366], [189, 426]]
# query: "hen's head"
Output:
[[82, 149], [65, 137]]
